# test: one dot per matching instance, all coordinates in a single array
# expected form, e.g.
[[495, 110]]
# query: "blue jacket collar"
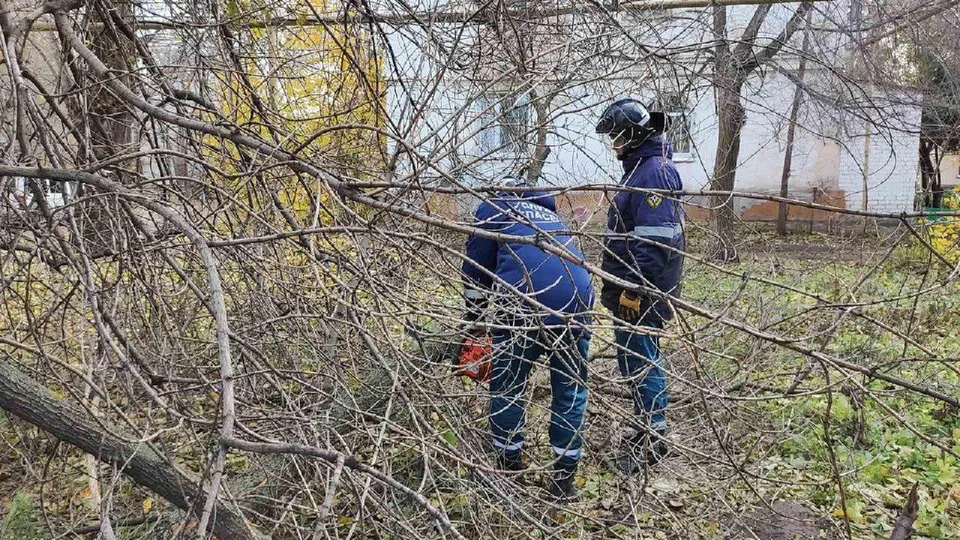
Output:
[[658, 145]]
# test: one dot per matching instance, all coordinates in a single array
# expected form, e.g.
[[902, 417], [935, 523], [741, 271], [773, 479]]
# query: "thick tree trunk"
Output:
[[937, 187], [34, 403], [926, 166], [731, 67], [929, 175], [106, 121], [110, 118], [787, 164], [730, 121]]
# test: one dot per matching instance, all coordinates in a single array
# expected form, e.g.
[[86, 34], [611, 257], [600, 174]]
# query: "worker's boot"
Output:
[[560, 486], [642, 449], [513, 462], [657, 448]]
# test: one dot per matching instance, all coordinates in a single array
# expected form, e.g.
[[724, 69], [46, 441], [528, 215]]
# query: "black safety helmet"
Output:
[[628, 120]]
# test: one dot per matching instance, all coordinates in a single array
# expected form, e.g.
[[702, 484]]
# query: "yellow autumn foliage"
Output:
[[316, 90], [944, 233]]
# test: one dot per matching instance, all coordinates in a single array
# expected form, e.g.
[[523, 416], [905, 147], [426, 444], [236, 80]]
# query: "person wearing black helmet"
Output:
[[644, 247], [541, 306]]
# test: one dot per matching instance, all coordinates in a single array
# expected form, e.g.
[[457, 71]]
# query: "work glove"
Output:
[[629, 306]]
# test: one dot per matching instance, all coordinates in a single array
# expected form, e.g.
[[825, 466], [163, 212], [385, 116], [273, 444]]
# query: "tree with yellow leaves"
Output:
[[316, 89]]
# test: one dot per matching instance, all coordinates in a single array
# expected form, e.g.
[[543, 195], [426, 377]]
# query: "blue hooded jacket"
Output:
[[558, 284], [634, 219]]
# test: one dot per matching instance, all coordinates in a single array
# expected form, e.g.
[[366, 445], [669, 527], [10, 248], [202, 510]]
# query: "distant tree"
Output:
[[940, 120], [733, 63]]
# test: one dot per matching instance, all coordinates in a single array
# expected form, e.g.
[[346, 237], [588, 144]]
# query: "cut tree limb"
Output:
[[94, 528], [34, 403], [350, 462], [903, 528]]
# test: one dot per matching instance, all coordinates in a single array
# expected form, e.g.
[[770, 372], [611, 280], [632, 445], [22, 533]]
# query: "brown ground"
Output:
[[785, 520]]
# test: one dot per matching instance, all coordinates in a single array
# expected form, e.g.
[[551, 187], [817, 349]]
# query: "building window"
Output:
[[504, 123], [488, 138], [679, 113]]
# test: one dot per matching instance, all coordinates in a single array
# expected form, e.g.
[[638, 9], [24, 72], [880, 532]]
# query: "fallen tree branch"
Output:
[[34, 403], [350, 462], [903, 528], [349, 191], [870, 371], [327, 505], [94, 528]]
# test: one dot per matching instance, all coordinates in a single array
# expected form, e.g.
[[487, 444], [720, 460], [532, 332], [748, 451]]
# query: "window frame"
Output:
[[502, 130], [676, 107]]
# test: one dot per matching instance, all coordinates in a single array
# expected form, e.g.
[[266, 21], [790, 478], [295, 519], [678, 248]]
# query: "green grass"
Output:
[[21, 520], [879, 469]]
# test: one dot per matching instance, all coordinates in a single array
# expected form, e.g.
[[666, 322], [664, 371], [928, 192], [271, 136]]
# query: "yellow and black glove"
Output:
[[629, 306]]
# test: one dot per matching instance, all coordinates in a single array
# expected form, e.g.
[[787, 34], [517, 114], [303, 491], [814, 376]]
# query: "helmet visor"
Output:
[[615, 142]]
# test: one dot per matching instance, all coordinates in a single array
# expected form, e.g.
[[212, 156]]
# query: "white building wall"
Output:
[[950, 170], [891, 164], [820, 161], [822, 155], [579, 156]]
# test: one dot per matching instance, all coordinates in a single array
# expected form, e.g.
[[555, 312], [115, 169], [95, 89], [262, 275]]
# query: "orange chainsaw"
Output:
[[475, 356], [471, 357]]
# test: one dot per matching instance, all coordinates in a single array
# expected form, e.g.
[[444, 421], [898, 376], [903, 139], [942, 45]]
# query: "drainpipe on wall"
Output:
[[866, 167]]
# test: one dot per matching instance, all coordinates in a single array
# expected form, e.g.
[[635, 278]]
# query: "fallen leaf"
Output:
[[665, 485], [147, 505]]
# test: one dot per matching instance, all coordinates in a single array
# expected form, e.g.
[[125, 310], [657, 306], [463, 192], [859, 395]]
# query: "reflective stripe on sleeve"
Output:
[[658, 231]]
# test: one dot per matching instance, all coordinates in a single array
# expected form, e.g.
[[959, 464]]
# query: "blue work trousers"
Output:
[[640, 361], [514, 354]]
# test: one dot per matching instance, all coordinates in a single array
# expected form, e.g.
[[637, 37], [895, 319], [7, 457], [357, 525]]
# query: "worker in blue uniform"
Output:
[[540, 304], [644, 248]]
